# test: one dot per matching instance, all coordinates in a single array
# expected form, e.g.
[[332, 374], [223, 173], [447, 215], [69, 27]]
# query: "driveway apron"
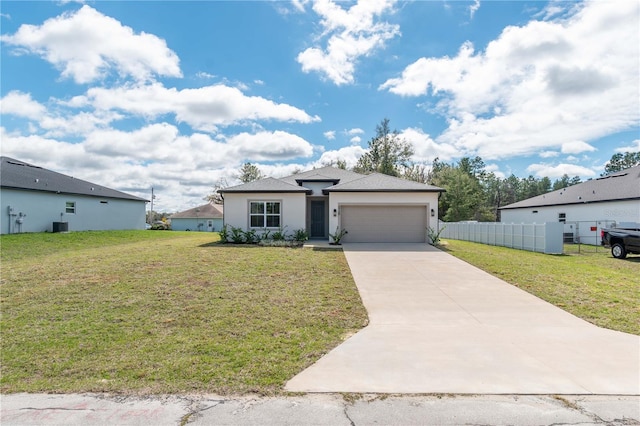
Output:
[[440, 325]]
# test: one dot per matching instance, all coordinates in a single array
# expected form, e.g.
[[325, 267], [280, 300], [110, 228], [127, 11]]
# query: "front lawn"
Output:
[[591, 285], [166, 312]]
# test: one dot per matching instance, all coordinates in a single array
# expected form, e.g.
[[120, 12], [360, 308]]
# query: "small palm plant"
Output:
[[434, 236], [338, 235]]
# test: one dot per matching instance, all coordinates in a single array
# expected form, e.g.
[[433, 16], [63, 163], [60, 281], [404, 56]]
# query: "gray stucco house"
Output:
[[34, 199], [372, 208], [205, 218]]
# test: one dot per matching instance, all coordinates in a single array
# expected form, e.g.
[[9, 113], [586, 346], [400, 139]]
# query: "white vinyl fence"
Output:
[[540, 237]]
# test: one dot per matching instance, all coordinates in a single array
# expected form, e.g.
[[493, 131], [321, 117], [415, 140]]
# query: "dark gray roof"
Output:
[[265, 185], [378, 182], [16, 174], [326, 174], [206, 211], [624, 185], [342, 180]]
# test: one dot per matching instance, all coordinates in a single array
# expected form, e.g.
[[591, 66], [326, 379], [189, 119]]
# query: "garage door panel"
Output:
[[384, 223]]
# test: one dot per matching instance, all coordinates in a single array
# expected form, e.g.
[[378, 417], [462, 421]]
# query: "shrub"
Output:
[[300, 235], [279, 235], [237, 235], [224, 233], [251, 236]]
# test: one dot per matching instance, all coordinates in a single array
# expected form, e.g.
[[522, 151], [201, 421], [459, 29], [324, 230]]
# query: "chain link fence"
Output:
[[584, 236]]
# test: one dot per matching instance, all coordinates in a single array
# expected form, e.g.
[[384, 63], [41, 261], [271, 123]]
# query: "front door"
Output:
[[317, 219]]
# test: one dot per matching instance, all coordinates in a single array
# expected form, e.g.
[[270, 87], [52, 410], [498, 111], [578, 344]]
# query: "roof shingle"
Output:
[[623, 185], [15, 174]]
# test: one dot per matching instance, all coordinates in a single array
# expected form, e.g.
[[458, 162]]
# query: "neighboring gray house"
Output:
[[372, 208], [207, 218], [34, 199], [584, 208]]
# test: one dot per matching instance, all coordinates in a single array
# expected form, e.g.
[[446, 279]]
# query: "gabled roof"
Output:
[[265, 185], [205, 211], [340, 180], [619, 186], [15, 174], [384, 183]]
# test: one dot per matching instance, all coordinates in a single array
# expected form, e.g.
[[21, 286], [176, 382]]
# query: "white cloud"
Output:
[[355, 131], [21, 105], [474, 8], [426, 149], [554, 172], [634, 147], [355, 140], [548, 154], [495, 169], [537, 87], [349, 154], [86, 45], [576, 147], [205, 75], [153, 142], [330, 135], [203, 108], [55, 124], [353, 33], [269, 146], [299, 4]]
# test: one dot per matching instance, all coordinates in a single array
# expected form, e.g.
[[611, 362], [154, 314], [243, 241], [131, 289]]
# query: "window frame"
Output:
[[562, 217], [266, 212], [70, 207]]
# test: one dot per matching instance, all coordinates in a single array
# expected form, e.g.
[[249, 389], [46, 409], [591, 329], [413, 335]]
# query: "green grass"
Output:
[[166, 312], [591, 285]]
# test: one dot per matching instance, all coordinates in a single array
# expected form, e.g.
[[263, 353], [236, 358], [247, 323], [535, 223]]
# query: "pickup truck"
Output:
[[621, 240]]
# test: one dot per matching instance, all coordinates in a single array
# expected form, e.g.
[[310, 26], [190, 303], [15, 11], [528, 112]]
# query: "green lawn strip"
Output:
[[29, 245], [171, 313], [593, 286]]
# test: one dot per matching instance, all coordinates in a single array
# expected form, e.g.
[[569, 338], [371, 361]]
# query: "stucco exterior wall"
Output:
[[337, 199], [236, 209], [618, 211], [583, 222], [196, 224], [92, 213]]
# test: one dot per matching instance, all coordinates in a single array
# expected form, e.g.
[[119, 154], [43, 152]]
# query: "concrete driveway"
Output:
[[440, 325]]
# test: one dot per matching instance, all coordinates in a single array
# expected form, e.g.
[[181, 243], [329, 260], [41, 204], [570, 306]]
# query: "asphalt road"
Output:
[[319, 409]]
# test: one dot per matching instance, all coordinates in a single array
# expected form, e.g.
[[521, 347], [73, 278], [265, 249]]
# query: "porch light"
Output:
[[433, 212], [335, 212]]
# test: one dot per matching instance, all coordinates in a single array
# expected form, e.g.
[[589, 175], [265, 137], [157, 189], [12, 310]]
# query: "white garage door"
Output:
[[384, 224]]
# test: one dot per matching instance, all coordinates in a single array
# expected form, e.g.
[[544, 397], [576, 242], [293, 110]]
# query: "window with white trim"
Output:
[[562, 217], [70, 207], [264, 214]]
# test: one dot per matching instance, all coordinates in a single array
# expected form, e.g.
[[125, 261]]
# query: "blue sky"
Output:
[[178, 95]]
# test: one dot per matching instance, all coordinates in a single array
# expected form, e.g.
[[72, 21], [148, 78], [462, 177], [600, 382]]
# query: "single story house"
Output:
[[207, 218], [34, 199], [584, 208], [371, 208]]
